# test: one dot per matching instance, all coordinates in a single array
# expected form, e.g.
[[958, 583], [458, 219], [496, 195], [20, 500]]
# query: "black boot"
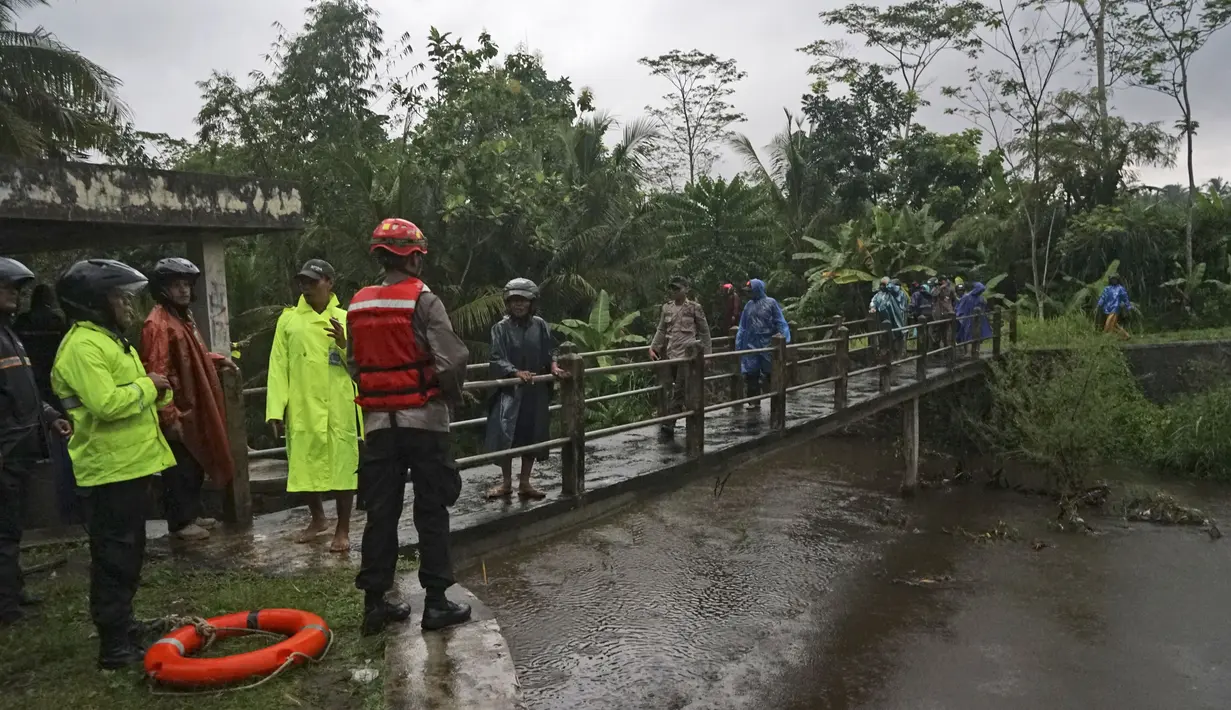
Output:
[[439, 612], [378, 612], [116, 649]]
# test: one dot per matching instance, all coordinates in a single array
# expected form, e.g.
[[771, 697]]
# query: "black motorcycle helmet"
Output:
[[84, 287], [170, 269], [14, 272]]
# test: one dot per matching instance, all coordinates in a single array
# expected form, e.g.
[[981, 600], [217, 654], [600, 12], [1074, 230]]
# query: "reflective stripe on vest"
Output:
[[394, 303]]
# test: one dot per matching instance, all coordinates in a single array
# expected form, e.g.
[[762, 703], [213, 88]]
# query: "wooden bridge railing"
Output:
[[880, 351]]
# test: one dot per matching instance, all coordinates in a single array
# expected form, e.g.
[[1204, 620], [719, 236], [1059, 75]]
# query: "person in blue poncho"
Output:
[[1114, 305], [761, 319], [887, 308], [971, 304]]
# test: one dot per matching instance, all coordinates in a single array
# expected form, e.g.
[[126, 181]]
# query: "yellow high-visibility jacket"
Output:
[[113, 407], [311, 392]]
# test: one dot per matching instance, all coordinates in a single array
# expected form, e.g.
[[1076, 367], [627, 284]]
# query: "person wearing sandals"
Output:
[[518, 416]]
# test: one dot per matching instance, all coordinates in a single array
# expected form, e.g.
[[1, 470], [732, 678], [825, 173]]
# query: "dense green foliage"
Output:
[[511, 171]]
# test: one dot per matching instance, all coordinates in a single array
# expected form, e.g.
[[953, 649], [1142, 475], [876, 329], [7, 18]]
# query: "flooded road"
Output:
[[802, 586]]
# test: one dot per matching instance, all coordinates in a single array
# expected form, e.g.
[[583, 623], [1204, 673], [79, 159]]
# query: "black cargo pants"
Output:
[[386, 457], [15, 469], [181, 489], [115, 519]]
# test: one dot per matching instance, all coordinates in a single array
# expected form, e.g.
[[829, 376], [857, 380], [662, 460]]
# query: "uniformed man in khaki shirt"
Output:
[[682, 322]]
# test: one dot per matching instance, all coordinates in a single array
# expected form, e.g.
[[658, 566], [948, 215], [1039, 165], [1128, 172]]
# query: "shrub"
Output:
[[1193, 435]]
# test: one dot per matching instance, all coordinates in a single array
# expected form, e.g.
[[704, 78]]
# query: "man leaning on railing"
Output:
[[682, 322]]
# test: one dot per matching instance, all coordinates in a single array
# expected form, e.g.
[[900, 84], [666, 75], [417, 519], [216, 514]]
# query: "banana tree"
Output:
[[602, 331], [1184, 288], [883, 243]]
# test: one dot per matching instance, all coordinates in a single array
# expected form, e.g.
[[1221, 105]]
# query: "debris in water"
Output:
[[1163, 508], [893, 516], [364, 675], [1001, 531], [1037, 545], [938, 582]]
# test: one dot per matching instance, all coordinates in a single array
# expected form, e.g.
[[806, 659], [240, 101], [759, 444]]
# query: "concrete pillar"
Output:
[[910, 446], [209, 310], [573, 409]]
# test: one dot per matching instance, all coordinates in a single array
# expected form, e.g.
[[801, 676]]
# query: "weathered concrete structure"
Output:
[[59, 205]]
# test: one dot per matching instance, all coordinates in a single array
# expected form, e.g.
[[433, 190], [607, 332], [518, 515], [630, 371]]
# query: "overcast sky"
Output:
[[160, 48]]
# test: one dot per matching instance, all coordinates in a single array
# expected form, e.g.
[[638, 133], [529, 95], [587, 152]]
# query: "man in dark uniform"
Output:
[[24, 418], [409, 365]]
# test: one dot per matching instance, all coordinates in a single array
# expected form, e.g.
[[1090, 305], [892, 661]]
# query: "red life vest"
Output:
[[395, 372]]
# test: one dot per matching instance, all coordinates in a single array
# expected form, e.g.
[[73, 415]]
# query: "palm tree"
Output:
[[53, 101]]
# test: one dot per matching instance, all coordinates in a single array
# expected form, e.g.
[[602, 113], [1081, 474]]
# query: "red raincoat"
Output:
[[173, 347]]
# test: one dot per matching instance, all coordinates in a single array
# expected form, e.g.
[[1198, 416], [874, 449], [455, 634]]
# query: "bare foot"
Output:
[[341, 543], [313, 531], [501, 491], [530, 492]]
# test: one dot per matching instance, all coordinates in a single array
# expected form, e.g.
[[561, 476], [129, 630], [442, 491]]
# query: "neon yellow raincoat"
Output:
[[311, 392], [113, 406]]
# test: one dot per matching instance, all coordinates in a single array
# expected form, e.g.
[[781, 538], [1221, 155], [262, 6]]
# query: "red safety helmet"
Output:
[[399, 236]]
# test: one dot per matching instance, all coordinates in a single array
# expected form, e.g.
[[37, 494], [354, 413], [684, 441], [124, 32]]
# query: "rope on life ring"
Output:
[[169, 661]]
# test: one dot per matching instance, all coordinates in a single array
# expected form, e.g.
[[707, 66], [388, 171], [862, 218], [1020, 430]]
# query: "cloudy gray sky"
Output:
[[160, 48]]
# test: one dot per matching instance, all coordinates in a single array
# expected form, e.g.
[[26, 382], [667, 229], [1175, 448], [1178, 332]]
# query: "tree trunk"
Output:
[[1192, 181]]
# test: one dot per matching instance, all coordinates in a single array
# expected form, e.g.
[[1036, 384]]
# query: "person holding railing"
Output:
[[944, 306], [519, 416], [886, 308], [682, 322], [761, 319], [194, 423], [971, 309], [410, 366], [311, 397]]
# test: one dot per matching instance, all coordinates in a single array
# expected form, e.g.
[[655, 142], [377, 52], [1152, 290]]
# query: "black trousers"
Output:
[[674, 381], [387, 455], [181, 489], [752, 384], [15, 470], [115, 518]]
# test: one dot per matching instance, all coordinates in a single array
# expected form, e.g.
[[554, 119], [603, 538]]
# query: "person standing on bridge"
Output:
[[193, 423], [117, 443], [519, 416], [972, 309], [23, 425], [311, 397], [410, 366], [682, 322], [761, 320]]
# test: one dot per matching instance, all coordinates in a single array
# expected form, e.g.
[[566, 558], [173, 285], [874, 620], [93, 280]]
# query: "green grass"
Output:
[[48, 661], [1079, 328]]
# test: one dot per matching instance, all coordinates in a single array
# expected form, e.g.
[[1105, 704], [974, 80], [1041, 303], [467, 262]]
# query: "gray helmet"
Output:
[[14, 272], [521, 287]]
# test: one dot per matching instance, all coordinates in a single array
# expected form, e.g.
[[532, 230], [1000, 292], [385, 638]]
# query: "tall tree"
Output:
[[913, 34], [698, 115], [1172, 32], [53, 101], [1013, 105]]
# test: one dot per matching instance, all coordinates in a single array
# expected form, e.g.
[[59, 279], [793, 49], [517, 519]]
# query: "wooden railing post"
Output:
[[842, 363], [573, 408], [952, 342], [237, 501], [922, 345], [777, 383], [694, 401], [997, 323], [976, 332], [737, 381], [1013, 325], [886, 354]]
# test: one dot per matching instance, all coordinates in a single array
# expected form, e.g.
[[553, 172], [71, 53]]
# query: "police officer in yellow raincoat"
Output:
[[312, 398], [116, 443]]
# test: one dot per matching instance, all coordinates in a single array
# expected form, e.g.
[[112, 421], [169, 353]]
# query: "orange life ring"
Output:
[[168, 661]]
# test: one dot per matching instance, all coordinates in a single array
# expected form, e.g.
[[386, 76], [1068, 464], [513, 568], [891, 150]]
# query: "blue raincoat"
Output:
[[887, 302], [970, 304], [761, 319], [1114, 299]]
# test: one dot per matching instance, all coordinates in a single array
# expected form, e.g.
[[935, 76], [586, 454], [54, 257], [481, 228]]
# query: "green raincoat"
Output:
[[311, 392]]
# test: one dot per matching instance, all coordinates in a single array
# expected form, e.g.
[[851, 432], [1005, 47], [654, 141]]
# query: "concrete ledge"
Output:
[[467, 667]]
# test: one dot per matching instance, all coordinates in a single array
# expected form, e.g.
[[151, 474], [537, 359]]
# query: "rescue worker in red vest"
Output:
[[409, 366], [24, 420]]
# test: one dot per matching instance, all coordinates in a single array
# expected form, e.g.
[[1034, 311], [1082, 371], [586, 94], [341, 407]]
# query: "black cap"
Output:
[[317, 269]]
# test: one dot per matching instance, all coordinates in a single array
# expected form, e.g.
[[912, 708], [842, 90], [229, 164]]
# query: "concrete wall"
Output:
[[1169, 370]]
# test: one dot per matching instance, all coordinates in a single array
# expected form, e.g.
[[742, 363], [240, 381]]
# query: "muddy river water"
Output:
[[803, 586]]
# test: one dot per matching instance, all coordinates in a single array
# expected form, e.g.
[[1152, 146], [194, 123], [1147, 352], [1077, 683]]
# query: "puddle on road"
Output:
[[781, 594]]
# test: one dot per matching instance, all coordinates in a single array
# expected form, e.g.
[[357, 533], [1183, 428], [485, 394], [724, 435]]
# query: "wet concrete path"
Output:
[[786, 592]]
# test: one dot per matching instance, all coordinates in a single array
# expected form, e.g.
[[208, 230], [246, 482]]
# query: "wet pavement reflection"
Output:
[[787, 592]]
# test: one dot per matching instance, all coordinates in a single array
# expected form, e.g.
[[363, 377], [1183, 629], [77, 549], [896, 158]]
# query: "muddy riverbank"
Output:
[[807, 584]]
